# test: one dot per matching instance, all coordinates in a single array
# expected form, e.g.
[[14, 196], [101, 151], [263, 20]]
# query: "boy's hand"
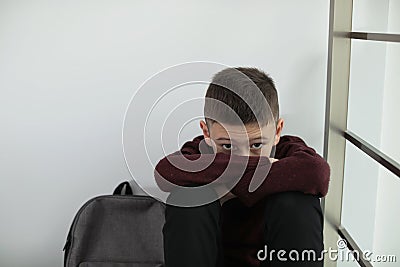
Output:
[[222, 189], [272, 160]]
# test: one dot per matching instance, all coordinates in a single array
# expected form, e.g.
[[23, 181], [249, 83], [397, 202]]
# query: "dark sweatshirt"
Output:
[[299, 168]]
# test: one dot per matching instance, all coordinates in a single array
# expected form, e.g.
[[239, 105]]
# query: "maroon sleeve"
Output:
[[167, 174], [299, 168]]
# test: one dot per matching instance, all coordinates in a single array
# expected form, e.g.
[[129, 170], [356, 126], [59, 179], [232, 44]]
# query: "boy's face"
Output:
[[244, 140]]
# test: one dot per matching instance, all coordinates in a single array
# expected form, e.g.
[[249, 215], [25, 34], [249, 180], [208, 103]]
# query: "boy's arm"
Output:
[[299, 168], [173, 169]]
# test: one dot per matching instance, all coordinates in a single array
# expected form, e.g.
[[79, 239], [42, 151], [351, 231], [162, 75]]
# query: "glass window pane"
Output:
[[359, 196], [371, 201], [374, 94], [387, 217], [382, 16]]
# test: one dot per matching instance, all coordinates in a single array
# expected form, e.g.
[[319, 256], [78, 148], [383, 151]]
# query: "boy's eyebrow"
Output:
[[252, 139], [223, 138], [261, 138]]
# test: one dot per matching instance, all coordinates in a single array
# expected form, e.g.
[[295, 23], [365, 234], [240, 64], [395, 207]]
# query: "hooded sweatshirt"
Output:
[[299, 168]]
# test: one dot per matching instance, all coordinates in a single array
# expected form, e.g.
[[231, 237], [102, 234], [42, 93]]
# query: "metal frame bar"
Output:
[[352, 246], [340, 21], [370, 36], [374, 153]]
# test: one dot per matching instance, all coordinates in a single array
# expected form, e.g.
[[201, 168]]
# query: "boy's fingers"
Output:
[[272, 160]]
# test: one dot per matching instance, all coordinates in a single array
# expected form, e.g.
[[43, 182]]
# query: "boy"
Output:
[[242, 228]]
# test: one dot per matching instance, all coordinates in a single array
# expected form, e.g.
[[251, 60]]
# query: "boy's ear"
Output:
[[206, 132], [279, 127]]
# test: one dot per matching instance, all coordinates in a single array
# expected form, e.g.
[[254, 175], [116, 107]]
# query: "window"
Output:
[[361, 131]]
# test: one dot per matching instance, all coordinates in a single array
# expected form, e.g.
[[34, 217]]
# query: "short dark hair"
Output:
[[228, 84]]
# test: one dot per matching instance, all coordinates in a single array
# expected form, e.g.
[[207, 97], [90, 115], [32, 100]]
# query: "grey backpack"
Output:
[[119, 230]]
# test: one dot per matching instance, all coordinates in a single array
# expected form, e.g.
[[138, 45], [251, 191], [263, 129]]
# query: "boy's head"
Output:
[[241, 112]]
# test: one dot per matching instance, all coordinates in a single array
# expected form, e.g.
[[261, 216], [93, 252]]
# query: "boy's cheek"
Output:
[[221, 150]]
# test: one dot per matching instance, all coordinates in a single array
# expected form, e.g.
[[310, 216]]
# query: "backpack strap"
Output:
[[128, 189]]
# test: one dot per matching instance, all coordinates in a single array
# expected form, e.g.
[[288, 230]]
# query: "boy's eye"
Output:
[[257, 145], [227, 146]]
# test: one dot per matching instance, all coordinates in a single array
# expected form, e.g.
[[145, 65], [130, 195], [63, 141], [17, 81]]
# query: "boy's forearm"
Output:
[[303, 172], [169, 172], [174, 170], [299, 169]]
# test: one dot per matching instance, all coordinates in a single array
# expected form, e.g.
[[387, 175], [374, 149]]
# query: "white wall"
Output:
[[69, 68]]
